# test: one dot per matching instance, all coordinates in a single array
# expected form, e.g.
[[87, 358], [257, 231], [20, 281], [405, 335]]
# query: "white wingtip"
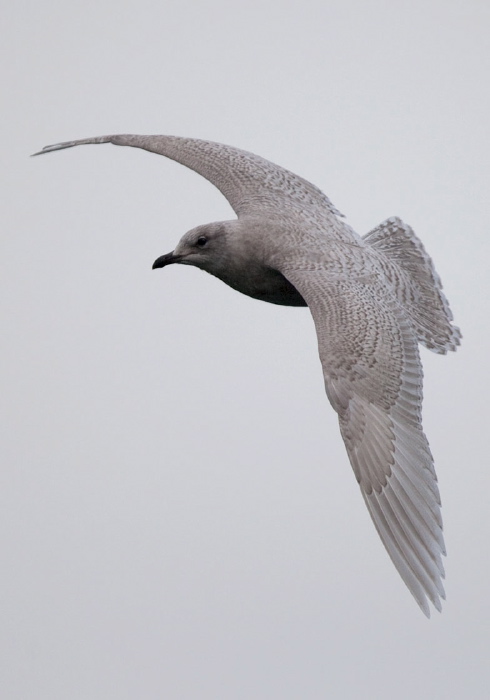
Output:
[[70, 144]]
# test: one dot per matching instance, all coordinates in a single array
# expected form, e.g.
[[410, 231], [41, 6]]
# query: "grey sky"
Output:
[[179, 518]]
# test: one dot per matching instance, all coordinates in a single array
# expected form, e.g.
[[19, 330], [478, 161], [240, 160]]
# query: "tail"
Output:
[[426, 303]]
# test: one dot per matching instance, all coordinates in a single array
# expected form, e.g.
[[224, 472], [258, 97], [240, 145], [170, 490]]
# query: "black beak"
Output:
[[164, 260]]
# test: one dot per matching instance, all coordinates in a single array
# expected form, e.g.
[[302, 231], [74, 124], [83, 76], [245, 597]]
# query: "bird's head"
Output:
[[211, 247]]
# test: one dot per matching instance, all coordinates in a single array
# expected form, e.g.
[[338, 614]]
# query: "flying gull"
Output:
[[373, 299]]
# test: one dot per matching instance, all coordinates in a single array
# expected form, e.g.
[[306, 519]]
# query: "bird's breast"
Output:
[[265, 284]]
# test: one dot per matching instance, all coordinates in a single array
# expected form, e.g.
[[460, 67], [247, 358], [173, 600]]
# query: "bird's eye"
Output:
[[201, 241]]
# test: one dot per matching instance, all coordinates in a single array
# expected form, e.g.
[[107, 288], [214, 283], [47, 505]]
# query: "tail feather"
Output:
[[426, 303]]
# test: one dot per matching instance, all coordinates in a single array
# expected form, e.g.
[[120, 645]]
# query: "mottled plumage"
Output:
[[373, 299]]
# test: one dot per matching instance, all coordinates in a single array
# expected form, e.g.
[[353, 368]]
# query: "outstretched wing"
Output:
[[251, 184], [373, 378]]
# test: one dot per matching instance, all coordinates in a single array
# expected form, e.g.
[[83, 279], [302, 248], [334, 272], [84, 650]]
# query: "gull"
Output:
[[373, 300]]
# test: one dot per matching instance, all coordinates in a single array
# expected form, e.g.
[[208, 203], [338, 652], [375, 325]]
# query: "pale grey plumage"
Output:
[[372, 299]]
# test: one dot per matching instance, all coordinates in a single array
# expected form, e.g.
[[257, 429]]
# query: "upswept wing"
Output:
[[373, 378], [251, 184]]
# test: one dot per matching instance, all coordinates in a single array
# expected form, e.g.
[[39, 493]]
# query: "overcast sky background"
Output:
[[178, 515]]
